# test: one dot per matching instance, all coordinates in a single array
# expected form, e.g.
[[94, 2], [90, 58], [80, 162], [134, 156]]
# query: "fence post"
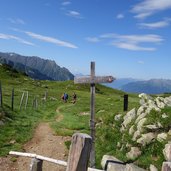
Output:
[[21, 101], [125, 102], [79, 152], [36, 165], [12, 100], [0, 95], [26, 100]]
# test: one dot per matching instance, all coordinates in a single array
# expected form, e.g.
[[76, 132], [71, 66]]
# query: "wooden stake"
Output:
[[36, 165], [79, 152], [0, 95], [21, 101], [26, 100], [12, 100]]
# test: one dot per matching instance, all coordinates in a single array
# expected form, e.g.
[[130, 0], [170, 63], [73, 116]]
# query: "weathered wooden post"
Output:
[[0, 95], [36, 165], [21, 101], [12, 100], [79, 152], [26, 100], [125, 102], [92, 80]]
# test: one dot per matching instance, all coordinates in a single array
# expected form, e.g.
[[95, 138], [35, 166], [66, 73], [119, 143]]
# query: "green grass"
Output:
[[68, 118]]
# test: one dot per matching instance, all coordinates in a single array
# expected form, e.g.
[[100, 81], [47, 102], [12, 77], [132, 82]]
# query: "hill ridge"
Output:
[[36, 67]]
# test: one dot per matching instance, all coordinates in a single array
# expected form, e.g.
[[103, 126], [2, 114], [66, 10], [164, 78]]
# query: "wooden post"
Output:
[[12, 100], [79, 152], [21, 101], [92, 115], [125, 102], [36, 165], [26, 100], [92, 80], [0, 95], [34, 103]]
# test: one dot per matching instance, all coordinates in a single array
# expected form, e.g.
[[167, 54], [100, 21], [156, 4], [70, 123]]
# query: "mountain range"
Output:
[[152, 86], [36, 67]]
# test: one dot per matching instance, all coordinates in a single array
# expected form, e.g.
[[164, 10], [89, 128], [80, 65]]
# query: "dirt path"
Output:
[[45, 143]]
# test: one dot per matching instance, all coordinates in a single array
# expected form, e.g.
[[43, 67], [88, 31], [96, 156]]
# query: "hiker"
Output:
[[74, 98], [65, 97]]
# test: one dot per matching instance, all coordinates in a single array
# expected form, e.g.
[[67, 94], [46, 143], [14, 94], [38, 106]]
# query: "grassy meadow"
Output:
[[64, 118]]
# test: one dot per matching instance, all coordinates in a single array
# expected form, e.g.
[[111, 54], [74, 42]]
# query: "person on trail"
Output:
[[65, 97], [74, 98]]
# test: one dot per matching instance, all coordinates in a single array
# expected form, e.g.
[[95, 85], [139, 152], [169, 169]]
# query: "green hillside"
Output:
[[65, 118]]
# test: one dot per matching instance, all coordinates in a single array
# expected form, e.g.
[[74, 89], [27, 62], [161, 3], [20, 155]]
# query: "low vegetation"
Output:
[[64, 118]]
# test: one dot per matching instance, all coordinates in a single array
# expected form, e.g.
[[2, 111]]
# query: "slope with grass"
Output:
[[64, 118]]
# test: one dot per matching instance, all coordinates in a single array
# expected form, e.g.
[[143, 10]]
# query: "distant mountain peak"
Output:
[[36, 67]]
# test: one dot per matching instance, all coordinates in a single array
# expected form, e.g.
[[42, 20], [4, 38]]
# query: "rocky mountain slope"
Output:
[[36, 67]]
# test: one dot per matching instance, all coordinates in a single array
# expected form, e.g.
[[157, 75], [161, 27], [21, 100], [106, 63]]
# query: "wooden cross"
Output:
[[92, 80]]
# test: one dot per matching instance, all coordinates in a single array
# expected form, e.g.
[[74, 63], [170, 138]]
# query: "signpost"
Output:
[[92, 79]]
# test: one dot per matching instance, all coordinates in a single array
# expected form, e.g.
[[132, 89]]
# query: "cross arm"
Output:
[[99, 79]]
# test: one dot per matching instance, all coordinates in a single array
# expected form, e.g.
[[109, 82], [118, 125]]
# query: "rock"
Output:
[[132, 167], [167, 152], [142, 102], [129, 117], [144, 96], [118, 144], [143, 115], [152, 105], [164, 116], [153, 168], [112, 166], [169, 132], [146, 138], [136, 135], [152, 127], [141, 110], [131, 130], [161, 137], [134, 153], [1, 123], [160, 102], [118, 117], [167, 101], [155, 126], [140, 124]]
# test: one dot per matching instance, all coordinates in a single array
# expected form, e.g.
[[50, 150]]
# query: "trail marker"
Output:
[[92, 79]]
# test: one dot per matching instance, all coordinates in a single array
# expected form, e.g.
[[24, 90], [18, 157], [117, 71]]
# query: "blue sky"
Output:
[[126, 38]]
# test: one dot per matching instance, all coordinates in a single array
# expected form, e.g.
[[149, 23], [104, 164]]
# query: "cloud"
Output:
[[133, 42], [16, 21], [66, 3], [120, 16], [93, 39], [131, 46], [50, 40], [141, 62], [74, 14], [8, 37], [149, 7], [155, 25]]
